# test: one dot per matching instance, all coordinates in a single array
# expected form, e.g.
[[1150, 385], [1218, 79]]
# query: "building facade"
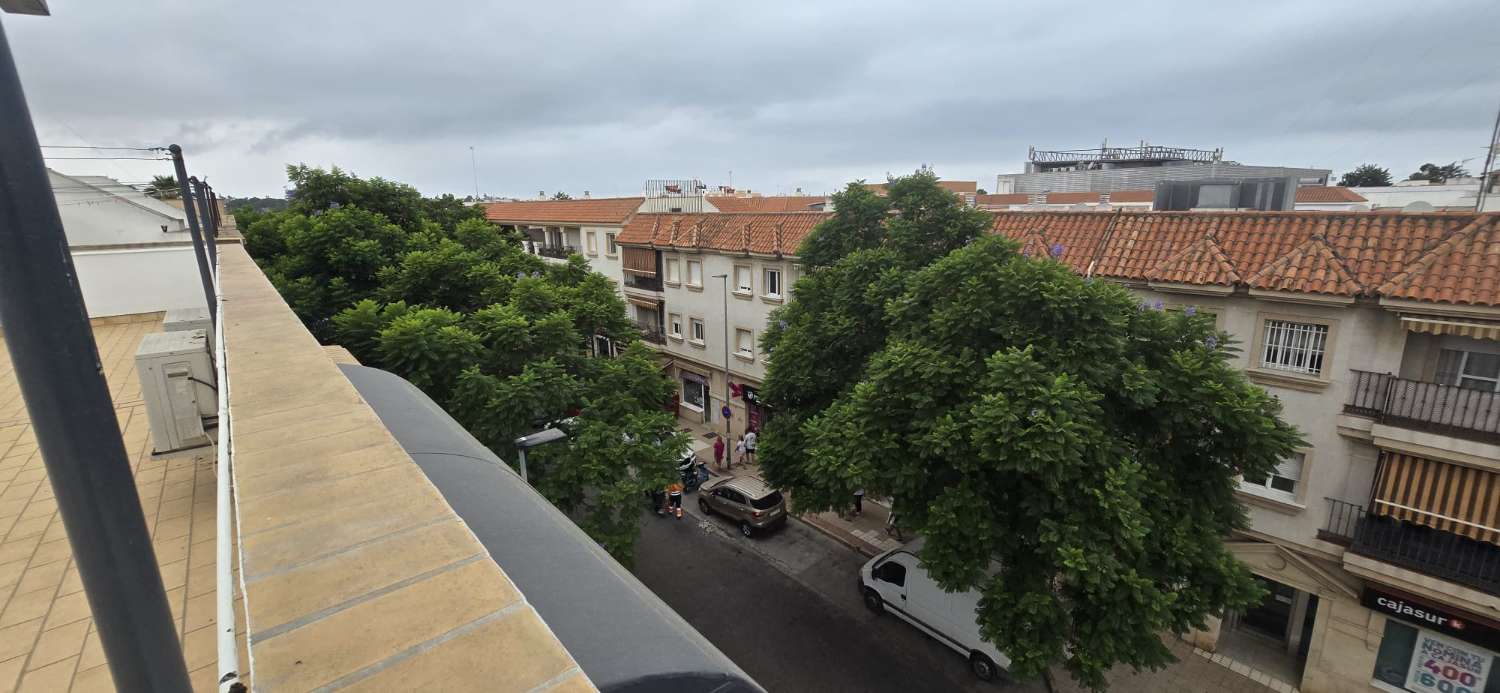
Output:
[[702, 288], [555, 229], [1379, 541], [1110, 169]]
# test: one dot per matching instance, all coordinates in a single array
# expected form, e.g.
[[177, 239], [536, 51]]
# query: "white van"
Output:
[[896, 581]]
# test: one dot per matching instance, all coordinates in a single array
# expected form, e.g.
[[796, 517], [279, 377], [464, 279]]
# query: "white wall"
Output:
[[1439, 196], [113, 215], [138, 280], [600, 258]]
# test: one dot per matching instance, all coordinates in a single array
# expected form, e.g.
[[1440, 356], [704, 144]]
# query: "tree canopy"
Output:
[[164, 188], [504, 341], [1064, 448], [1439, 174], [1366, 176]]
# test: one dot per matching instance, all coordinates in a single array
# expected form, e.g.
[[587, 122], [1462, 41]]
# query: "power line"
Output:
[[118, 149], [108, 158]]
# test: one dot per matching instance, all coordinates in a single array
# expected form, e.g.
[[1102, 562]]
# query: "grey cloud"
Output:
[[600, 96]]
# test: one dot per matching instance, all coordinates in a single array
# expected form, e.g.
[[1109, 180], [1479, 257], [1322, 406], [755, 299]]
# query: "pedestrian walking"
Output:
[[859, 502], [750, 445], [739, 451], [719, 452], [674, 494]]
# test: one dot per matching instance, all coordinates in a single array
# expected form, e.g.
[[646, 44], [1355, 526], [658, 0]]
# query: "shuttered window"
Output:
[[641, 261], [1448, 497]]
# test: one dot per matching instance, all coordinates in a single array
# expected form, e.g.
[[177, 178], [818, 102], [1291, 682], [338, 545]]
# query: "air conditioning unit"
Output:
[[176, 379], [189, 319]]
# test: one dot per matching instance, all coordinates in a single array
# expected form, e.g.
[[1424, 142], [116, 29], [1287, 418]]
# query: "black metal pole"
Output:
[[57, 365], [204, 272], [206, 218], [213, 199]]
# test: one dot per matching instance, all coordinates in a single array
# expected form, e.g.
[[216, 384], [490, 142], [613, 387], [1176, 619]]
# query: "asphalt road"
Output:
[[785, 607]]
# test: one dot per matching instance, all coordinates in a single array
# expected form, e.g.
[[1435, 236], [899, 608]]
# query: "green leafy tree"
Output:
[[1366, 176], [1439, 174], [560, 195], [164, 188], [1019, 416]]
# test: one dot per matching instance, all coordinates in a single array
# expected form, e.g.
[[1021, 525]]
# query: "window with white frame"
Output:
[[742, 279], [696, 325], [1282, 482], [609, 244], [744, 342], [673, 272], [773, 282], [695, 273], [590, 242], [674, 325], [1471, 370], [1294, 346]]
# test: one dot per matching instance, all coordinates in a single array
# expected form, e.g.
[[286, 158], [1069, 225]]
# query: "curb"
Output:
[[841, 537]]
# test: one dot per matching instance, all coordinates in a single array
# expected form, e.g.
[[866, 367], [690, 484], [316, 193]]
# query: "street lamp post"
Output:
[[531, 440], [725, 277]]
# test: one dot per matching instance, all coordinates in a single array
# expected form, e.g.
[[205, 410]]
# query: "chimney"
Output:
[[745, 237], [777, 249], [585, 194], [799, 191]]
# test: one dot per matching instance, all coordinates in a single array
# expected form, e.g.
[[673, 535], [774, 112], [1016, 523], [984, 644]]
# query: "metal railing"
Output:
[[652, 334], [1412, 546], [1433, 407], [558, 251], [642, 282]]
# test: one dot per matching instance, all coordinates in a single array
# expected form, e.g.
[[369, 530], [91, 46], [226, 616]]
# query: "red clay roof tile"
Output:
[[780, 203], [1463, 268], [1327, 193], [1310, 268], [1200, 263], [769, 234], [598, 210]]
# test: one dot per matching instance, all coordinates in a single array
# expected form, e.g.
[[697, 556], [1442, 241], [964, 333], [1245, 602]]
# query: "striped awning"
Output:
[[643, 302], [1478, 329], [1448, 497]]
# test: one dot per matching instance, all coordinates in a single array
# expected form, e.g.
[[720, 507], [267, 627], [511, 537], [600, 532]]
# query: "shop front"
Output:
[[1427, 648]]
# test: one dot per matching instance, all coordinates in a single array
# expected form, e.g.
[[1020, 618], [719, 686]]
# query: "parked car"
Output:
[[896, 581], [746, 501]]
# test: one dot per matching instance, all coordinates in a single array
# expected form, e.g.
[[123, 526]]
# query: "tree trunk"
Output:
[[1047, 681]]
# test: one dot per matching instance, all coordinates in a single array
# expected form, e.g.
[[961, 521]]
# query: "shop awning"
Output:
[[1447, 497], [1478, 329], [642, 302], [641, 261]]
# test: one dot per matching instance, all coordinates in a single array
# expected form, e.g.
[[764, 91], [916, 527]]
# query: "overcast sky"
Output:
[[597, 96]]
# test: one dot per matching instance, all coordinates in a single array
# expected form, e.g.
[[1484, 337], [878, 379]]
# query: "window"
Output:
[[672, 271], [767, 502], [609, 244], [1281, 482], [675, 325], [744, 342], [591, 243], [742, 279], [773, 283], [697, 326], [695, 273], [1216, 196], [1471, 370], [891, 572], [694, 393], [730, 495], [1417, 659], [1294, 346]]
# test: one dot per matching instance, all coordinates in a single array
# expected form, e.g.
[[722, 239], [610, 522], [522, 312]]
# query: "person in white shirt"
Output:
[[750, 445]]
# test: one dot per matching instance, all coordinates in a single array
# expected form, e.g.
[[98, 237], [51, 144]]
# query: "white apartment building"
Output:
[[555, 229], [1379, 541], [702, 288], [1309, 198]]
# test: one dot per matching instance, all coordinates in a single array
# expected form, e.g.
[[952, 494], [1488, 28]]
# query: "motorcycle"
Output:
[[693, 472]]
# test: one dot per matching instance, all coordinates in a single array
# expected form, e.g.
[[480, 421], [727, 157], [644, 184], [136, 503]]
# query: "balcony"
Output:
[[652, 333], [1442, 409], [1426, 550], [642, 282], [560, 252]]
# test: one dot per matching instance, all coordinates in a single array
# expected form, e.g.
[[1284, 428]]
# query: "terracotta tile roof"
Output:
[[1311, 267], [1463, 268], [1202, 262], [1450, 258], [780, 203], [1002, 199], [1327, 193], [769, 234], [598, 210], [968, 187]]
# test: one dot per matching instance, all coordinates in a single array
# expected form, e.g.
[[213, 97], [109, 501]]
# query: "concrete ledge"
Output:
[[356, 570]]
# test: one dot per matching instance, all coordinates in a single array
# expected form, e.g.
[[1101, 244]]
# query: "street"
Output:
[[786, 609]]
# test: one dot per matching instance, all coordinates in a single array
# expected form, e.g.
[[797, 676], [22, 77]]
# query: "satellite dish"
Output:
[[1418, 206]]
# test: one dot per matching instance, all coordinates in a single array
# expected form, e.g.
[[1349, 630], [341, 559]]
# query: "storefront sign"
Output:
[[1442, 665], [1436, 618]]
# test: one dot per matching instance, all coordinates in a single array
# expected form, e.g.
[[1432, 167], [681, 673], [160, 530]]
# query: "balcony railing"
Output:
[[644, 283], [1426, 550], [652, 334], [558, 251], [1446, 409]]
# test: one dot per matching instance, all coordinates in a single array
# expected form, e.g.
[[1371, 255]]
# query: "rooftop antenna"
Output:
[[473, 161]]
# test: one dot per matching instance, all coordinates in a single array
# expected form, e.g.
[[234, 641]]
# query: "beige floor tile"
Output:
[[58, 644], [54, 677], [41, 577], [16, 641], [93, 651], [25, 606], [95, 679], [67, 609], [10, 673]]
